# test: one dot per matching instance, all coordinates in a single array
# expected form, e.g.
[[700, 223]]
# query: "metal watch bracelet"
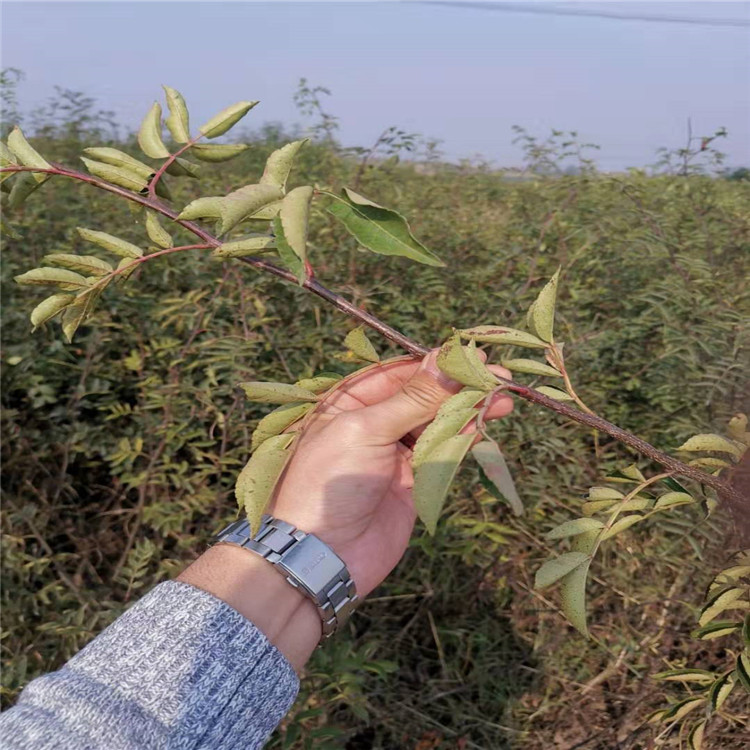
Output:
[[305, 561]]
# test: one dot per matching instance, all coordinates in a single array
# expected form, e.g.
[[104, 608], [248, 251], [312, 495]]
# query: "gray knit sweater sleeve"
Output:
[[179, 670]]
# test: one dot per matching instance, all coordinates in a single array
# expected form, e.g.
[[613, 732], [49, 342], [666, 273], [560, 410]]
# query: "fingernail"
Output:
[[430, 367]]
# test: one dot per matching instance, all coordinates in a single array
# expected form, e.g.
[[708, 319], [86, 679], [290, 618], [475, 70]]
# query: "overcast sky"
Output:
[[461, 74]]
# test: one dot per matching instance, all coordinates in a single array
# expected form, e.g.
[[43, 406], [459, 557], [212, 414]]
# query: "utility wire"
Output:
[[550, 10]]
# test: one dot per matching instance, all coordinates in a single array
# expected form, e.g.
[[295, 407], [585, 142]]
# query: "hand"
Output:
[[350, 480]]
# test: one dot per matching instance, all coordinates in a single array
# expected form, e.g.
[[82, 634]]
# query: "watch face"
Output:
[[313, 565]]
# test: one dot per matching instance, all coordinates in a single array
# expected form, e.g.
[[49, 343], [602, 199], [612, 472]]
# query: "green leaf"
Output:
[[683, 708], [294, 216], [433, 478], [149, 135], [216, 153], [604, 493], [674, 485], [596, 506], [219, 124], [279, 164], [574, 527], [75, 314], [252, 245], [120, 176], [84, 264], [288, 257], [275, 393], [502, 335], [27, 155], [7, 157], [742, 670], [454, 414], [257, 481], [709, 442], [24, 185], [267, 213], [716, 629], [555, 393], [49, 308], [113, 244], [630, 474], [243, 202], [279, 420], [719, 603], [66, 280], [620, 525], [202, 208], [700, 676], [555, 569], [358, 343], [669, 499], [184, 168], [541, 315], [118, 158], [492, 462], [380, 229], [696, 734], [320, 383], [709, 462], [131, 267], [573, 585], [7, 230], [156, 232], [462, 364], [721, 689], [178, 122], [531, 366]]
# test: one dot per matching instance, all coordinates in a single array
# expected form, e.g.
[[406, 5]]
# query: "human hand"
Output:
[[350, 479]]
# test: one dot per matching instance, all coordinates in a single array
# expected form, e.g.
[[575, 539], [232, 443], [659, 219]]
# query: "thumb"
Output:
[[414, 404]]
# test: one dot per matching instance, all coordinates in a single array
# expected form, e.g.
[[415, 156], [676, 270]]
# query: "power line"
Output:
[[609, 14]]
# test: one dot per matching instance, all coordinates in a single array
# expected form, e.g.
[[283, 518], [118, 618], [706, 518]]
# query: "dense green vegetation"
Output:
[[121, 450]]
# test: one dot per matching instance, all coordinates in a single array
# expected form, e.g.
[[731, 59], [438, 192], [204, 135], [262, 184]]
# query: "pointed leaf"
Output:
[[131, 267], [380, 229], [24, 185], [149, 135], [495, 468], [574, 527], [669, 499], [630, 474], [216, 153], [178, 122], [596, 506], [721, 689], [76, 313], [219, 124], [279, 420], [275, 393], [700, 676], [202, 208], [716, 629], [156, 232], [604, 493], [320, 383], [502, 335], [709, 462], [709, 442], [243, 202], [433, 478], [252, 245], [683, 708], [454, 414], [27, 155], [120, 176], [257, 481], [720, 603], [621, 524], [358, 343], [84, 264], [7, 157], [531, 366], [280, 163], [183, 168], [555, 569], [49, 308], [555, 393], [267, 213], [288, 257], [294, 216], [742, 670], [541, 316], [66, 280], [117, 158], [463, 365], [109, 242], [696, 734], [573, 585]]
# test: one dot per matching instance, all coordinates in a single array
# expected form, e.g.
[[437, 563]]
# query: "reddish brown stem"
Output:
[[724, 489]]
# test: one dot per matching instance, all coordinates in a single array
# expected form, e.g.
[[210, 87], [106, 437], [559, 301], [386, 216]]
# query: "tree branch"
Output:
[[724, 489]]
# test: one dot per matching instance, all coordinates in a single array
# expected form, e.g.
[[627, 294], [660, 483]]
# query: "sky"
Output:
[[459, 73]]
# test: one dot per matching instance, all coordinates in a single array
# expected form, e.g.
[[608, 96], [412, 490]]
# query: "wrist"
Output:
[[250, 585]]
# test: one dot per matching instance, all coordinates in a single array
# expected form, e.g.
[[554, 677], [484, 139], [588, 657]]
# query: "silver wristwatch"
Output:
[[306, 562]]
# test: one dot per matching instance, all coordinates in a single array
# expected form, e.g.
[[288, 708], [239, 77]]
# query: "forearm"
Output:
[[180, 669]]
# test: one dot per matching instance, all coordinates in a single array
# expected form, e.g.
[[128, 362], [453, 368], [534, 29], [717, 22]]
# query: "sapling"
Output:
[[264, 224]]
